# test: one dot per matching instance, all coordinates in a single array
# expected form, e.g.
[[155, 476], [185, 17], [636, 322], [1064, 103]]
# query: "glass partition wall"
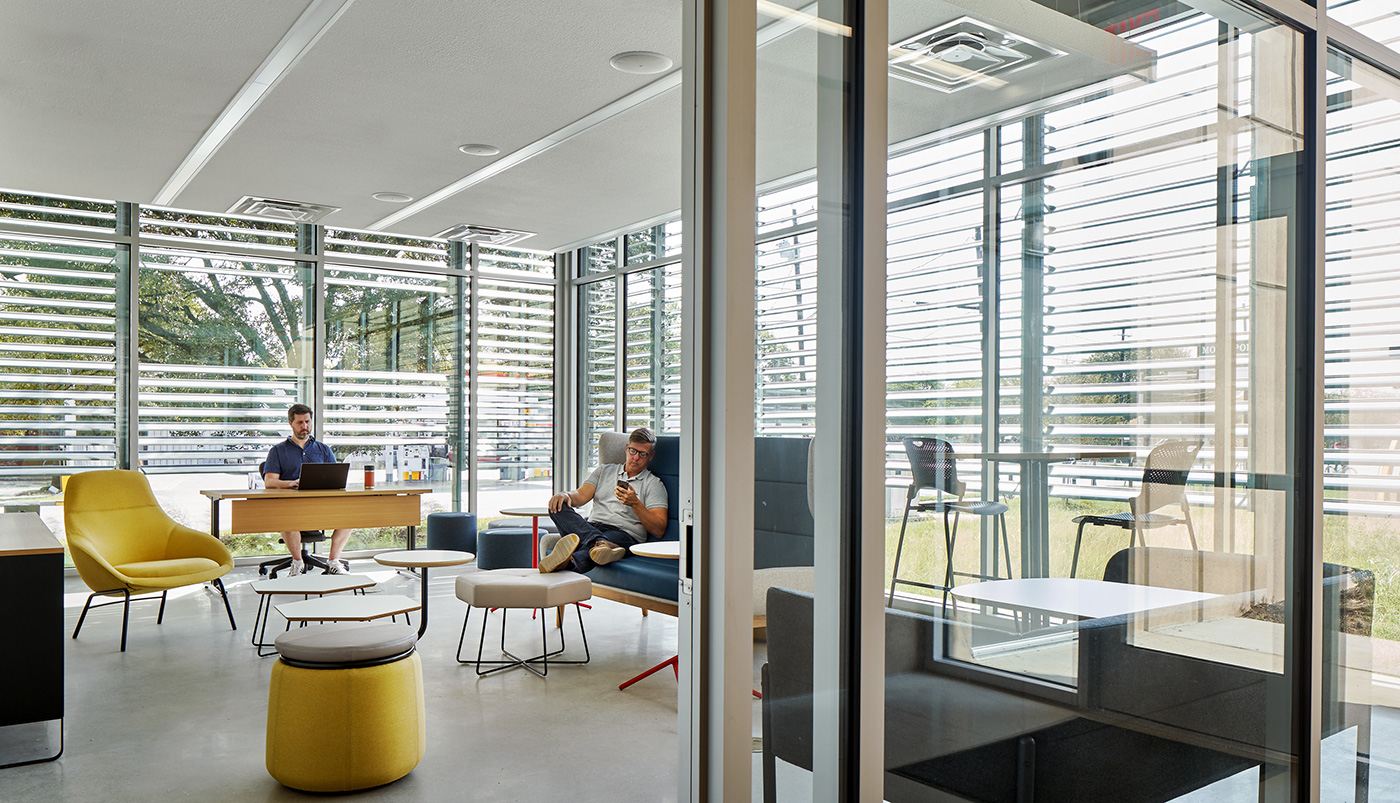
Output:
[[1361, 401], [1100, 270], [1097, 283], [174, 342]]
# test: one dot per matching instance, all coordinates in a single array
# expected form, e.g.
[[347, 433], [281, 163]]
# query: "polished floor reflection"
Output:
[[181, 714]]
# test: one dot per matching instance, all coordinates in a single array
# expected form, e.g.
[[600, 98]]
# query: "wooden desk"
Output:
[[270, 511], [31, 594]]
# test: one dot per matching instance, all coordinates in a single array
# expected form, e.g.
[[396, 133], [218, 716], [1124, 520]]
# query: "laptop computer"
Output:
[[323, 476]]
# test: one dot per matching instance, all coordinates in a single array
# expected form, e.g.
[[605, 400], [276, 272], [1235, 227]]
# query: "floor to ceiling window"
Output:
[[226, 320], [629, 321], [175, 341], [515, 379], [61, 301], [390, 339]]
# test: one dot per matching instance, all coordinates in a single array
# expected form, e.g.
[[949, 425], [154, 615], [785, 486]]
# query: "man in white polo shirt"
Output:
[[629, 504]]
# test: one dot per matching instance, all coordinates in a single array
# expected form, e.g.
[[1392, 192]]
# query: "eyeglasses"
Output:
[[638, 452]]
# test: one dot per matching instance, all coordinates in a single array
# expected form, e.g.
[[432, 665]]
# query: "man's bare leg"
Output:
[[293, 542], [338, 541]]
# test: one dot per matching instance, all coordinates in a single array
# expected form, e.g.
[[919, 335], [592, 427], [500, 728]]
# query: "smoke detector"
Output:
[[275, 209], [486, 235], [965, 52]]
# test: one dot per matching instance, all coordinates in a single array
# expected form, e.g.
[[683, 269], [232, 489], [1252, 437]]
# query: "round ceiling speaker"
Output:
[[640, 62]]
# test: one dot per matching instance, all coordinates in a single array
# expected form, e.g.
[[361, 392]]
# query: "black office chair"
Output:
[[934, 467], [1163, 483], [272, 567]]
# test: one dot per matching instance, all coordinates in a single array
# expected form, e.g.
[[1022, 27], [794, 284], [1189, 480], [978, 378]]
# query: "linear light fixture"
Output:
[[313, 22]]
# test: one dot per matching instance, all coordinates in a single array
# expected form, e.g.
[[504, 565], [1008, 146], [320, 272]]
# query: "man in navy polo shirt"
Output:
[[283, 470]]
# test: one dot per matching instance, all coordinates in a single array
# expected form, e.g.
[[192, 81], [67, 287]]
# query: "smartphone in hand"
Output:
[[624, 484]]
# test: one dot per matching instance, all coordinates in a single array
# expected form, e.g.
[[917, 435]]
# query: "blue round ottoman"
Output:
[[546, 524], [452, 531], [507, 548]]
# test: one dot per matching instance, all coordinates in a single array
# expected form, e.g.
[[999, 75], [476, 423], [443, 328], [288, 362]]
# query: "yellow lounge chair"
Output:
[[123, 543]]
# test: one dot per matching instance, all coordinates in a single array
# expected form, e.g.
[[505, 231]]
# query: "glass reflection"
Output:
[[1104, 350]]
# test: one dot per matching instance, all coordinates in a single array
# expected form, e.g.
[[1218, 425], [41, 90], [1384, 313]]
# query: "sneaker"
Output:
[[604, 553], [560, 554], [296, 568], [337, 567]]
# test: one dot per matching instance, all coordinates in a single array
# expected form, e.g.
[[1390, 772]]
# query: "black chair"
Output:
[[272, 567], [934, 467], [1163, 483]]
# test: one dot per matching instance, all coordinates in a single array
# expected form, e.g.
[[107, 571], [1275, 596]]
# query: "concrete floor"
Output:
[[181, 714]]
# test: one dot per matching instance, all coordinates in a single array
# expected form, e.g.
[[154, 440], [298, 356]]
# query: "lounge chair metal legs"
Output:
[[219, 584], [125, 602]]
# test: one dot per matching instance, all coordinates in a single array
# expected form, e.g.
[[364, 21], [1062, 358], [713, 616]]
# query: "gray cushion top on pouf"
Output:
[[346, 642], [522, 588]]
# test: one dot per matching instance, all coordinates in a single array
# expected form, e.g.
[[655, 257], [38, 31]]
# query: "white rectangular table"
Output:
[[1075, 597]]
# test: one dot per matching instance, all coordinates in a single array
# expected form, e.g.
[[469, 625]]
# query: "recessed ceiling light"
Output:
[[640, 62], [478, 149], [392, 197]]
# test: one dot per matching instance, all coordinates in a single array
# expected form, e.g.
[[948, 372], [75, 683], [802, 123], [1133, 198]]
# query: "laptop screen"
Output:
[[323, 476]]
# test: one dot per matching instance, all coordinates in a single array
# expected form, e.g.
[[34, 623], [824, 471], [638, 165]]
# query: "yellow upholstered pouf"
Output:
[[346, 726]]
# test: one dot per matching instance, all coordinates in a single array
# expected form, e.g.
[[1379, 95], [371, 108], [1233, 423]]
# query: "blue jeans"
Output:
[[569, 521]]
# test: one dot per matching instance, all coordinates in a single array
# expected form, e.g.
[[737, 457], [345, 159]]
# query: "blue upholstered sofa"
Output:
[[648, 583], [782, 521]]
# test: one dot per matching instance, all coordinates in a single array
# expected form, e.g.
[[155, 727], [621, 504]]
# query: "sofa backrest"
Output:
[[783, 522], [667, 468], [666, 465], [782, 517]]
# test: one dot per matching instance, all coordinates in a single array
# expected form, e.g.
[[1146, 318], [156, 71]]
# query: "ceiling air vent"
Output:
[[293, 211], [963, 53], [486, 235]]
